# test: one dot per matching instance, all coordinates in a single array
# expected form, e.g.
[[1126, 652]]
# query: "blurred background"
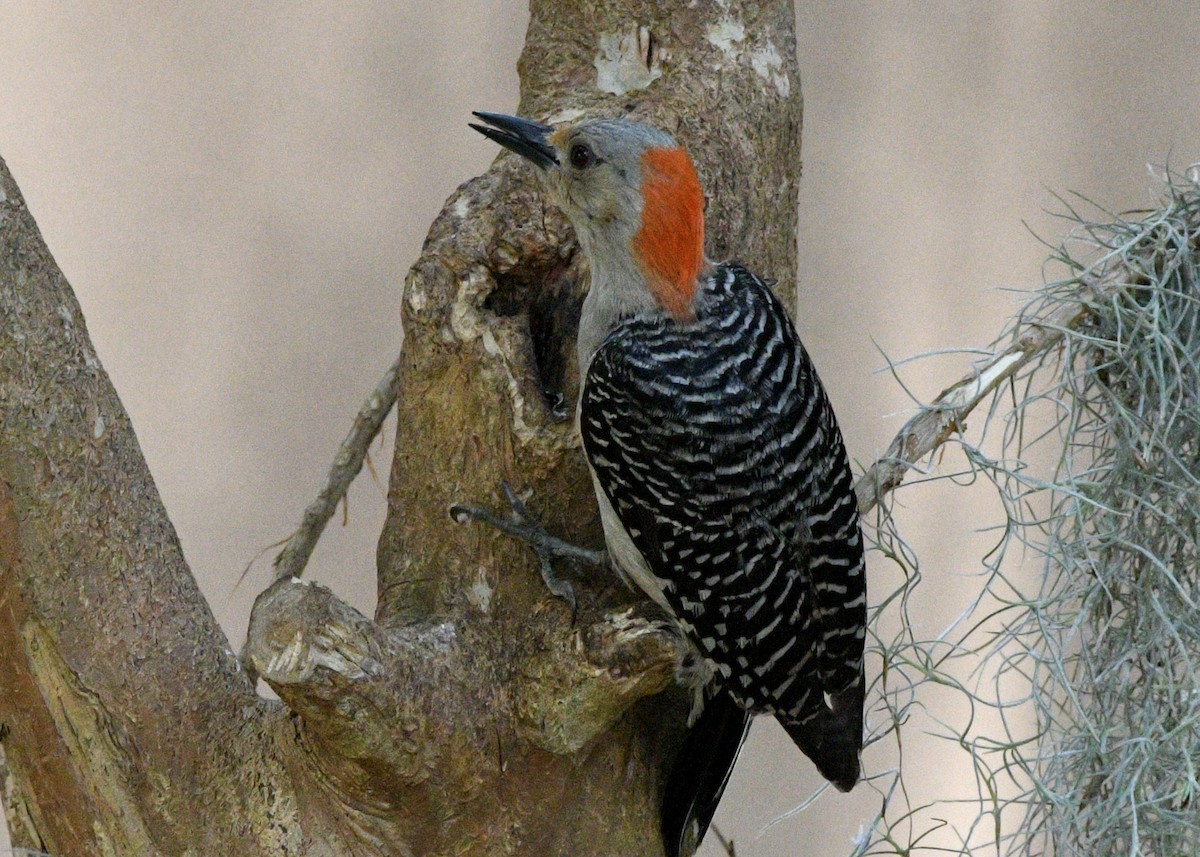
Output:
[[235, 191]]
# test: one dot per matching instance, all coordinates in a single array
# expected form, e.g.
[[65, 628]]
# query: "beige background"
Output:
[[235, 196]]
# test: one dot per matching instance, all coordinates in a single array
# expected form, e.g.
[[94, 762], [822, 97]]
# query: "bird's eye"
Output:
[[581, 156]]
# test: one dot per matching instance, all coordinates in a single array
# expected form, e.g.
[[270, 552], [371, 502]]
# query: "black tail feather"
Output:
[[833, 739], [700, 773]]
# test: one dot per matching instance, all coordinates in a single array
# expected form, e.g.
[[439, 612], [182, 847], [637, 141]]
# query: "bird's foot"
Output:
[[696, 674], [519, 524]]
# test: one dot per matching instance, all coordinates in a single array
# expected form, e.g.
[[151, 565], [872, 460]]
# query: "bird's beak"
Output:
[[527, 139]]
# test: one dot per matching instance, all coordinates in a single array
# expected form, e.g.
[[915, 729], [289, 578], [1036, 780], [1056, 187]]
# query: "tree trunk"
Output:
[[470, 717]]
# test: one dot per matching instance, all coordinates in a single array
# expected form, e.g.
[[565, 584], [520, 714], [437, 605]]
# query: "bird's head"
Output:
[[628, 189]]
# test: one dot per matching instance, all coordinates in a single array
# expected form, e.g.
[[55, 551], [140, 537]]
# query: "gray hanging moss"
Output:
[[1082, 701]]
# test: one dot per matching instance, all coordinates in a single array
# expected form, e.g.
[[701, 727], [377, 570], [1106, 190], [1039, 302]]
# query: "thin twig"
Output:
[[727, 844], [349, 461], [945, 415]]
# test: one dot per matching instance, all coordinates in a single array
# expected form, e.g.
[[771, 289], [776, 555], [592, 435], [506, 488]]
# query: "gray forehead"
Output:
[[616, 135]]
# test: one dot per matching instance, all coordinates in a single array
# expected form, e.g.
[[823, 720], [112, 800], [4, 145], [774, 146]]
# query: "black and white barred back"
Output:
[[717, 448]]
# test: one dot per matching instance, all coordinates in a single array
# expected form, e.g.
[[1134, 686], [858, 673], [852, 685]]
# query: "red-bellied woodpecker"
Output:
[[723, 484]]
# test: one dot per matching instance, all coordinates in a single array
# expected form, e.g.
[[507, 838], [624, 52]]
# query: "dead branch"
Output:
[[946, 415]]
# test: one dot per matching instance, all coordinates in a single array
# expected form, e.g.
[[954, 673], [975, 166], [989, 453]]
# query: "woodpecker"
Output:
[[722, 480]]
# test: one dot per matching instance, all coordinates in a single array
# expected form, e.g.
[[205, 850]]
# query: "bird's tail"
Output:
[[700, 773], [833, 738]]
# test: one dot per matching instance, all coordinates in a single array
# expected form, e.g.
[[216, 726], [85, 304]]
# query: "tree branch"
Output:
[[292, 560], [117, 679], [946, 415]]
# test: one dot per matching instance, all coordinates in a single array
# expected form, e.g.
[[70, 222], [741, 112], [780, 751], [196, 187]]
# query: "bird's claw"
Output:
[[558, 587], [519, 524]]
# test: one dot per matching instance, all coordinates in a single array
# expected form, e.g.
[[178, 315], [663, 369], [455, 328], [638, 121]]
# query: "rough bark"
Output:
[[469, 716]]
